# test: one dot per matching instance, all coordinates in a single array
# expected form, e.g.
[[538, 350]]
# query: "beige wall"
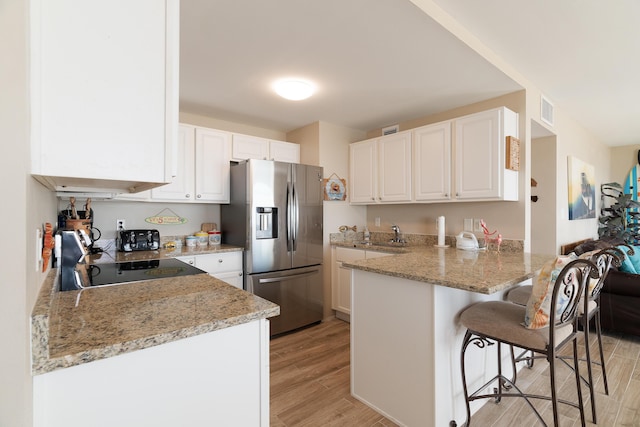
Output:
[[327, 144], [210, 122], [622, 160], [543, 164], [573, 140]]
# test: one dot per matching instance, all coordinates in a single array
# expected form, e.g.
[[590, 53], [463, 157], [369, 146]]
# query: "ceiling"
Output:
[[383, 62]]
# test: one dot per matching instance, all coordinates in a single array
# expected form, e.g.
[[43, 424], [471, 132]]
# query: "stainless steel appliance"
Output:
[[275, 213], [75, 273], [138, 240]]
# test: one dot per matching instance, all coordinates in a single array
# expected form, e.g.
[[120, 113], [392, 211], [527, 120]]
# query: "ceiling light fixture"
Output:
[[294, 89]]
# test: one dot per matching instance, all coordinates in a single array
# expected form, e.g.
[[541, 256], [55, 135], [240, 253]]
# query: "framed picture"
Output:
[[582, 189], [513, 153], [335, 188]]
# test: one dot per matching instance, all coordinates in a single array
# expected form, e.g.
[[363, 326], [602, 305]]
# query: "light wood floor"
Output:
[[310, 386]]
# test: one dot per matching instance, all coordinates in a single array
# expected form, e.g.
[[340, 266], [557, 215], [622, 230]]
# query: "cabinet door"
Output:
[[479, 146], [249, 147], [234, 278], [103, 86], [432, 162], [343, 288], [394, 168], [363, 172], [181, 188], [284, 151], [212, 156]]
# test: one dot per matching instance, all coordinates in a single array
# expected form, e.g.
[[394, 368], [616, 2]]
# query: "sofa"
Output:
[[620, 295]]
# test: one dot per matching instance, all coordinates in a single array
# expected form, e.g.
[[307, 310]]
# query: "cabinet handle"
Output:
[[240, 274], [188, 196], [191, 262], [220, 260], [446, 194], [199, 195]]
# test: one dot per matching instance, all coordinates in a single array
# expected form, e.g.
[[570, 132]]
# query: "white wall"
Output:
[[107, 212], [29, 205]]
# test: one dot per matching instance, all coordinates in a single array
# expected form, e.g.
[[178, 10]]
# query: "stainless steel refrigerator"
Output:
[[275, 213]]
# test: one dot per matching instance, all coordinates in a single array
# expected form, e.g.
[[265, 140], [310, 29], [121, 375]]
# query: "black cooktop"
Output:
[[135, 271]]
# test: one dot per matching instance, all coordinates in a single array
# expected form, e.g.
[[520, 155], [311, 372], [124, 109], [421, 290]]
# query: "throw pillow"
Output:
[[539, 305], [631, 263]]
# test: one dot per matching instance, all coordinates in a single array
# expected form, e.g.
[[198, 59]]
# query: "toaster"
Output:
[[138, 240]]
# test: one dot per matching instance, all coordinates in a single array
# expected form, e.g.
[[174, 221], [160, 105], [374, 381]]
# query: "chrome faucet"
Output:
[[397, 238]]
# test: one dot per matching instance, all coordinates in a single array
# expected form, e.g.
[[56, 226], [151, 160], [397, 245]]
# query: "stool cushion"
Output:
[[502, 321], [520, 295]]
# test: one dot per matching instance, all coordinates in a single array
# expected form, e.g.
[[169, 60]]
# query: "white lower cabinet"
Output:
[[226, 266], [219, 378], [341, 277]]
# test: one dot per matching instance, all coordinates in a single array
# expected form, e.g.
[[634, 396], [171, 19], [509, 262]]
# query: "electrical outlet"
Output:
[[468, 224], [377, 221], [476, 224], [121, 224]]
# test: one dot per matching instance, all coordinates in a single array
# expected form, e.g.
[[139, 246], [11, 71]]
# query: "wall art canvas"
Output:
[[582, 189]]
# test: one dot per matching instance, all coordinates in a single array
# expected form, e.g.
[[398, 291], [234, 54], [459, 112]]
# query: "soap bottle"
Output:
[[367, 235]]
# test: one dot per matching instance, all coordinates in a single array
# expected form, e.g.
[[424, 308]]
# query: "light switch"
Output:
[[39, 244]]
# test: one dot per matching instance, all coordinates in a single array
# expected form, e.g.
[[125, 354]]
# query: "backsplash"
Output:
[[513, 246]]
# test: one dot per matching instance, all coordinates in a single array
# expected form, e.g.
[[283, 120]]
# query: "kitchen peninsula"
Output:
[[405, 334], [189, 350]]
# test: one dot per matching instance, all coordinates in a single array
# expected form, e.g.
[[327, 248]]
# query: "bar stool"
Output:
[[590, 309], [500, 322]]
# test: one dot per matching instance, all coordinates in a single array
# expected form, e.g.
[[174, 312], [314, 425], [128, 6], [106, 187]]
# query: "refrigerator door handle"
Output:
[[296, 218], [289, 210], [283, 278]]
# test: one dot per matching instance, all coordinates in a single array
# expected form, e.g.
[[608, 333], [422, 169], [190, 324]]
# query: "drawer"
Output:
[[219, 263]]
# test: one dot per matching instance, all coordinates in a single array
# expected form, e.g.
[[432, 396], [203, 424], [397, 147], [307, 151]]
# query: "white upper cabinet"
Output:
[[480, 146], [432, 162], [466, 153], [284, 151], [104, 79], [202, 168], [363, 171], [212, 168], [253, 147], [380, 170]]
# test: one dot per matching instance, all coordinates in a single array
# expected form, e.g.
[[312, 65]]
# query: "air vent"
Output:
[[390, 129], [546, 110]]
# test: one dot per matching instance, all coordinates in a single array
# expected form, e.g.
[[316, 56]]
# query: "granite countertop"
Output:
[[112, 256], [484, 272], [75, 327]]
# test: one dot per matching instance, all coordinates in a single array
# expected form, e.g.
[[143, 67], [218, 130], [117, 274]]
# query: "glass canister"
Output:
[[215, 237]]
